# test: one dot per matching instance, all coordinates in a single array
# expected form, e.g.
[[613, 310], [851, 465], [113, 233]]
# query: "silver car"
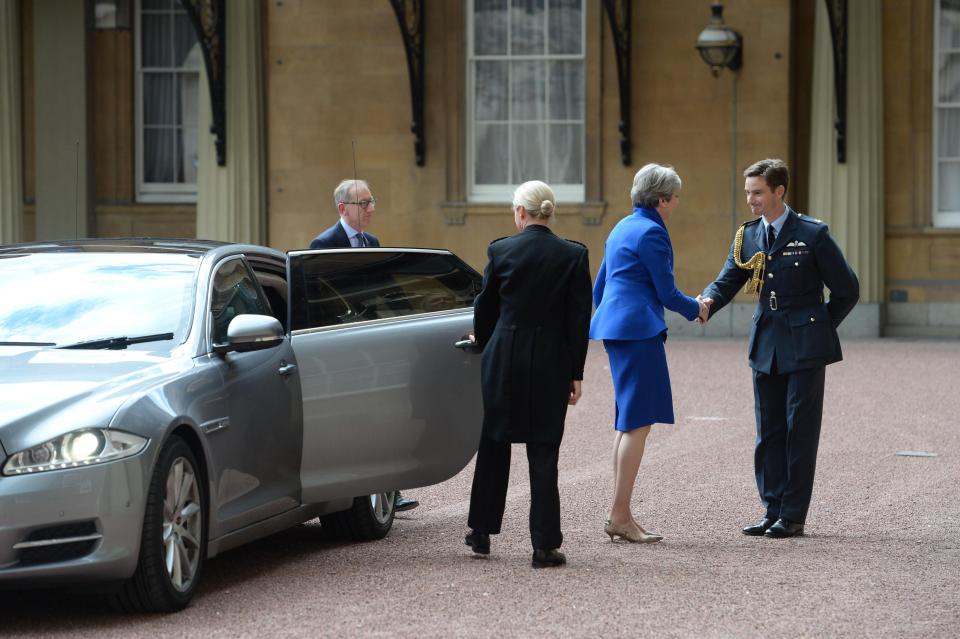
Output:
[[164, 401]]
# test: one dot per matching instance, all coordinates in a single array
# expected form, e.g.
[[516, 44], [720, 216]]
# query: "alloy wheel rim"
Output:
[[381, 504], [182, 525]]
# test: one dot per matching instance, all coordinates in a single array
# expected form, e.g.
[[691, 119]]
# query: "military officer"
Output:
[[786, 259]]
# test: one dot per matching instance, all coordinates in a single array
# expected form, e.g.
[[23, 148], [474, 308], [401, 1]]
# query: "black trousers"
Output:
[[789, 408], [488, 497]]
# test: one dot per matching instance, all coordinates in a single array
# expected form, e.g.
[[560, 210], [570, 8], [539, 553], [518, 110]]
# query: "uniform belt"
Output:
[[782, 302]]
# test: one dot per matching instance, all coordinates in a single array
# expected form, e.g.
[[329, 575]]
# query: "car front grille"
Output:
[[58, 543]]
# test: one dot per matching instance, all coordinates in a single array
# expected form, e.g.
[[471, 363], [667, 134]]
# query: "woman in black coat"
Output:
[[532, 320]]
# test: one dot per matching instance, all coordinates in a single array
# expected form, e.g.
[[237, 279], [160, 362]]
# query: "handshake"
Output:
[[704, 315]]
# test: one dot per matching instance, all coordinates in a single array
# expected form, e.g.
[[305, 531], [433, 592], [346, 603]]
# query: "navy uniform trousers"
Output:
[[789, 408]]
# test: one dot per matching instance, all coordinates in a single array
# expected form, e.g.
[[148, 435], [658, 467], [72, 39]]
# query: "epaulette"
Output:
[[753, 221], [576, 242], [500, 238], [807, 218]]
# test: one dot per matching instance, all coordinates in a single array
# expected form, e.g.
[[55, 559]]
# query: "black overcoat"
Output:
[[532, 320]]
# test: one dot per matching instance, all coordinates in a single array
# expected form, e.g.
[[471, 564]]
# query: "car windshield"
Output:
[[65, 298]]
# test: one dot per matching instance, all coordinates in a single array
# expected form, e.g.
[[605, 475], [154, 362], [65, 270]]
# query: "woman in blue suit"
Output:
[[634, 285]]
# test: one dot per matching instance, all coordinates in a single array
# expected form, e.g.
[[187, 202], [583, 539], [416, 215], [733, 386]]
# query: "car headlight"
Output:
[[83, 447]]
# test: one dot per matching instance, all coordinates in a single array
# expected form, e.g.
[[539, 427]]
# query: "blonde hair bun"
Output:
[[536, 197]]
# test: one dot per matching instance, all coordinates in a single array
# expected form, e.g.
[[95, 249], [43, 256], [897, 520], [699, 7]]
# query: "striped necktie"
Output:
[[361, 240]]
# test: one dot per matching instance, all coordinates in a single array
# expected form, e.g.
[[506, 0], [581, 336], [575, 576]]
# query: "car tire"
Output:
[[369, 518], [173, 544]]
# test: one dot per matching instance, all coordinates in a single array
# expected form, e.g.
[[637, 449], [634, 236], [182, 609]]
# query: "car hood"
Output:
[[47, 392]]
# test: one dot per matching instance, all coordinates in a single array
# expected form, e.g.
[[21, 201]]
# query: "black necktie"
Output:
[[361, 241], [771, 237]]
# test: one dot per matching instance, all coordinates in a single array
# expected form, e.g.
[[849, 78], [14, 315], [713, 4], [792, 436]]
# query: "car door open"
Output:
[[389, 402]]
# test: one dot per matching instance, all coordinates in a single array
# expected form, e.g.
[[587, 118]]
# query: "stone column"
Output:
[[849, 197], [231, 202], [63, 119], [11, 145]]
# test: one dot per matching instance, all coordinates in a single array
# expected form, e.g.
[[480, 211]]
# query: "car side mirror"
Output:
[[251, 333]]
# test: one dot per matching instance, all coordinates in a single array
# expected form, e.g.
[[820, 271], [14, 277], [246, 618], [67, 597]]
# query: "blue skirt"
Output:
[[641, 382]]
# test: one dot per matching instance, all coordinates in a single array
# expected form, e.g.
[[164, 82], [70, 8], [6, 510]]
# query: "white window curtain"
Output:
[[168, 76], [947, 113], [525, 97]]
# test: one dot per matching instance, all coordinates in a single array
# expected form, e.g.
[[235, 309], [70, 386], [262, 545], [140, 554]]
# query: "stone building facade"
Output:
[[106, 108]]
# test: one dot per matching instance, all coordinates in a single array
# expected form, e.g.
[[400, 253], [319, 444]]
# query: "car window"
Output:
[[62, 298], [340, 287], [271, 275], [234, 293]]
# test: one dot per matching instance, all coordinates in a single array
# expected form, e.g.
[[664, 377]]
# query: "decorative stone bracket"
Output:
[[618, 13], [209, 19], [838, 15], [411, 19]]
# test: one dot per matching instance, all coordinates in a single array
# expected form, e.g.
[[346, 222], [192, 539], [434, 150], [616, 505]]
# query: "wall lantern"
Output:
[[111, 15], [719, 45]]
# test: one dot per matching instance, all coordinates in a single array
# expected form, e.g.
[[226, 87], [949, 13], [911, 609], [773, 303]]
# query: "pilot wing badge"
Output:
[[797, 243]]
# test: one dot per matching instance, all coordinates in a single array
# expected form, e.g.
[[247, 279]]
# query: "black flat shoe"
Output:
[[757, 529], [784, 528], [548, 558], [479, 542], [402, 503]]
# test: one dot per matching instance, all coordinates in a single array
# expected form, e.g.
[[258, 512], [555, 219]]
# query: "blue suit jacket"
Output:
[[336, 237], [635, 281]]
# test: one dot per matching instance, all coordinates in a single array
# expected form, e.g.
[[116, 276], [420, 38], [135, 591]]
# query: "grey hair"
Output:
[[652, 183], [537, 198], [342, 192]]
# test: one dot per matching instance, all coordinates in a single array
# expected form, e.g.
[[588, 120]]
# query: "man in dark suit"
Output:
[[786, 259], [356, 206]]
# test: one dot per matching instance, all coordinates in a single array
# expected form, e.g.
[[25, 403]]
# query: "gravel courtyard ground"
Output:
[[881, 557]]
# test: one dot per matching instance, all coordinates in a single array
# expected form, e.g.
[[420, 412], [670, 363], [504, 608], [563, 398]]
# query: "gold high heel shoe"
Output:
[[638, 537], [647, 532]]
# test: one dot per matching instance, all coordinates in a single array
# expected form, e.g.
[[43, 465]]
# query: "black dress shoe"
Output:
[[402, 503], [784, 528], [478, 541], [548, 558], [757, 529]]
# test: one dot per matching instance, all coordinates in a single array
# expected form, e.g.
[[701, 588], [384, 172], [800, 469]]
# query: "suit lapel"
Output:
[[342, 238]]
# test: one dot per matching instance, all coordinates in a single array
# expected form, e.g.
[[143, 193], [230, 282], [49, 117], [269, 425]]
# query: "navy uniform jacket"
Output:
[[791, 321], [531, 319], [336, 237]]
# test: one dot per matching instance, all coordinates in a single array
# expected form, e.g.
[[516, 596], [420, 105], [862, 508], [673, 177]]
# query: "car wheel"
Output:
[[173, 544], [370, 517]]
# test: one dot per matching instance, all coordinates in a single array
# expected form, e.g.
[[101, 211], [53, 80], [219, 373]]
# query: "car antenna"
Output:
[[353, 147], [76, 192]]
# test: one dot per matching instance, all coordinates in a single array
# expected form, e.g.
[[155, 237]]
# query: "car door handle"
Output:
[[464, 344], [287, 369]]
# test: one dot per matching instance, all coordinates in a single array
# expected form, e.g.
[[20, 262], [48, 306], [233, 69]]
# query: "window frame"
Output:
[[503, 192], [208, 310], [946, 219], [152, 192], [296, 310]]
